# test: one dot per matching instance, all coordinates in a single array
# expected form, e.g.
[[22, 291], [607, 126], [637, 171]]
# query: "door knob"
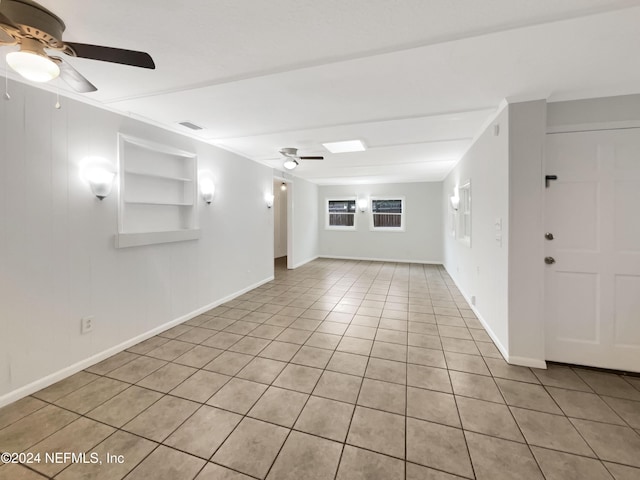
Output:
[[548, 236], [549, 260]]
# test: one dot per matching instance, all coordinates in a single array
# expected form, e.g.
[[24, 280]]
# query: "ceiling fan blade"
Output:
[[6, 38], [74, 78], [4, 20], [114, 55], [311, 158], [8, 31]]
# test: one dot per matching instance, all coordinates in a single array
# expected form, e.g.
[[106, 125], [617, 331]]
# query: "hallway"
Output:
[[341, 370]]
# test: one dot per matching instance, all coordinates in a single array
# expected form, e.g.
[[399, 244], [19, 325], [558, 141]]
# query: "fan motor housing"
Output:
[[289, 152], [35, 21]]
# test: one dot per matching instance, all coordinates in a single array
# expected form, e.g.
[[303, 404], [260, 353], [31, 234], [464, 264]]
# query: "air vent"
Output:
[[190, 125]]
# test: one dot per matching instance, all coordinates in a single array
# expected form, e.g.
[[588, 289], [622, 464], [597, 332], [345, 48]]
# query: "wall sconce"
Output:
[[455, 202], [207, 186], [283, 187], [98, 173], [362, 204], [268, 198]]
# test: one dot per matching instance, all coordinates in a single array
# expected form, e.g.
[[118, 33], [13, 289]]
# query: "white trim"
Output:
[[403, 217], [371, 259], [291, 188], [527, 362], [304, 262], [460, 212], [155, 146], [133, 239], [590, 127], [510, 359], [87, 362], [327, 214], [503, 350]]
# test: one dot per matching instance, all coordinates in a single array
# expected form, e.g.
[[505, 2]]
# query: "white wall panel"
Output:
[[481, 270], [421, 240], [626, 306], [57, 256], [303, 203]]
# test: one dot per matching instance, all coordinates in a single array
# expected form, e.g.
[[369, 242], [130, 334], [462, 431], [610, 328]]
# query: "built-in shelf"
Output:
[[124, 240], [156, 179], [157, 175]]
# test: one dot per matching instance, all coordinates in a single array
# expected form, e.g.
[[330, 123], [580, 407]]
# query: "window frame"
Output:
[[464, 213], [344, 228], [402, 227]]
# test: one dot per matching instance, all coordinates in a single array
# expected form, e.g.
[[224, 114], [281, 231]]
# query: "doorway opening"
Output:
[[280, 223]]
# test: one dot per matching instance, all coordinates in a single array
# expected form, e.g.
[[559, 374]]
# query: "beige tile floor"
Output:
[[338, 370]]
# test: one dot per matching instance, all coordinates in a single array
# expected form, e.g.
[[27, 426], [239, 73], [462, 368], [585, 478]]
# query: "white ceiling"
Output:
[[414, 79]]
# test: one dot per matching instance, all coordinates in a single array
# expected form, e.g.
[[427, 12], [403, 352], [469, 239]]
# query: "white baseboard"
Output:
[[87, 362], [527, 362], [512, 360], [503, 350], [370, 259], [304, 262]]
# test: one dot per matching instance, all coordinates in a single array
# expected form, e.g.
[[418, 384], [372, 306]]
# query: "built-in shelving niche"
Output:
[[157, 193]]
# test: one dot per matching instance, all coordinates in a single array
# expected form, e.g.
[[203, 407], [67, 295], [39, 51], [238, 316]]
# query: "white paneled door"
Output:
[[592, 291]]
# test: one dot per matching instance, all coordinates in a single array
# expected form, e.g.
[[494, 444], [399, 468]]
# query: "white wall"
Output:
[[503, 267], [594, 113], [481, 270], [303, 209], [421, 241], [279, 220], [527, 131], [57, 257]]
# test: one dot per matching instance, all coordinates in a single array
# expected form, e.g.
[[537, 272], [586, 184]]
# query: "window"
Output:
[[341, 214], [387, 214], [464, 214]]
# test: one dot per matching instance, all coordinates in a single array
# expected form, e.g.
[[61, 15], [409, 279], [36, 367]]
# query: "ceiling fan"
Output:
[[34, 28], [292, 157]]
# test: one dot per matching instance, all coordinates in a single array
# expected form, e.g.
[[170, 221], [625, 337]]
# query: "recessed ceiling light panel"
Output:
[[345, 147]]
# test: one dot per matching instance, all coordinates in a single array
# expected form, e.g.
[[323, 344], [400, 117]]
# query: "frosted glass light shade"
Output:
[[33, 66], [290, 164], [100, 180], [268, 198], [362, 204], [207, 189]]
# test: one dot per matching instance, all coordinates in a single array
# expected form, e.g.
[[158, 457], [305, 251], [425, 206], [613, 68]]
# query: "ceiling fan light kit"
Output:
[[34, 28], [290, 164], [292, 157], [33, 63]]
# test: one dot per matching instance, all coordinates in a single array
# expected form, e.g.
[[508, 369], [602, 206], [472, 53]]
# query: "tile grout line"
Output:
[[290, 362]]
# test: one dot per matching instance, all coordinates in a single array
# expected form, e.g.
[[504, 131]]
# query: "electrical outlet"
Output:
[[86, 325], [473, 299]]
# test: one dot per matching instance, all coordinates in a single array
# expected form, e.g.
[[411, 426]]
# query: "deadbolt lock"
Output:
[[548, 236], [549, 260]]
